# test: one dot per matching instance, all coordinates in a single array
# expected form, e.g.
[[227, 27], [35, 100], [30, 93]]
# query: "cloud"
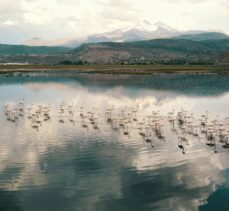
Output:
[[97, 166], [74, 18], [188, 1], [113, 10], [9, 23], [225, 3]]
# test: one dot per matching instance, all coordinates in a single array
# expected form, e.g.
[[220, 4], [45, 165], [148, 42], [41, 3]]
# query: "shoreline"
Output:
[[118, 69]]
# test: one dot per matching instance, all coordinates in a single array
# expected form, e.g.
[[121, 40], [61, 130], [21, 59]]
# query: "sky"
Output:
[[21, 20]]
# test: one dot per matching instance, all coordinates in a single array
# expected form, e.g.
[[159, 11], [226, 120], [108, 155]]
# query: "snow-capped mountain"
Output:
[[146, 26], [141, 30]]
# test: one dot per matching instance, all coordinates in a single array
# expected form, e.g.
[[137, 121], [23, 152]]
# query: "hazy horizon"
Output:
[[55, 19]]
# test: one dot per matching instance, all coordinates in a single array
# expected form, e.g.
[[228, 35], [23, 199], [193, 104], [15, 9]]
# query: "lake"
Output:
[[74, 141]]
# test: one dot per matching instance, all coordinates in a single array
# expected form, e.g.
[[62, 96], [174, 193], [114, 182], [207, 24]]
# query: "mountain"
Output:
[[38, 41], [141, 30], [162, 51], [26, 50], [145, 25], [203, 36]]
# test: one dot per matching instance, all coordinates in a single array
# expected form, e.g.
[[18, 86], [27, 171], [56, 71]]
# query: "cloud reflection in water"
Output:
[[66, 167]]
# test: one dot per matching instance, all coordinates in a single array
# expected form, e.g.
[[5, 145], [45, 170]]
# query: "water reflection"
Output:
[[190, 84], [66, 167]]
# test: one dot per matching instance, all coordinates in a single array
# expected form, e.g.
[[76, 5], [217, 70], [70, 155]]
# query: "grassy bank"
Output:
[[118, 69]]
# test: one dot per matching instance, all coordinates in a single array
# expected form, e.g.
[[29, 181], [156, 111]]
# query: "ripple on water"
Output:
[[99, 168]]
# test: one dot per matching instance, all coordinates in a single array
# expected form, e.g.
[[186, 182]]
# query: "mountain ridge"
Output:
[[6, 49], [141, 30], [203, 36], [155, 51]]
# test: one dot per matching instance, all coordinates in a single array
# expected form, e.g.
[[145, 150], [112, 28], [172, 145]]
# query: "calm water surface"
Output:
[[66, 167]]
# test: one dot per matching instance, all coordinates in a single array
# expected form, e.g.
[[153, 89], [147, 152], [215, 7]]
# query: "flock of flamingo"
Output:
[[214, 131]]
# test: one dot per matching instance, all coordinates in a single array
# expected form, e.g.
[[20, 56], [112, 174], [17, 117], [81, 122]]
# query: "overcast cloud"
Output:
[[51, 19]]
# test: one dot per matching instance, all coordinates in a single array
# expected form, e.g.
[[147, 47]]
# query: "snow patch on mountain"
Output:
[[141, 30]]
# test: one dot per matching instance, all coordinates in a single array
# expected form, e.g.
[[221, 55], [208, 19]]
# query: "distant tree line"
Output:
[[69, 62], [143, 62]]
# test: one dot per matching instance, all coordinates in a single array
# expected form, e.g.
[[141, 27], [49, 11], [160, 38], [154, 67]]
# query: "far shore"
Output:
[[118, 69]]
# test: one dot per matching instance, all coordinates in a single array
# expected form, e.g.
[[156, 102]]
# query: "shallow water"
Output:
[[63, 166]]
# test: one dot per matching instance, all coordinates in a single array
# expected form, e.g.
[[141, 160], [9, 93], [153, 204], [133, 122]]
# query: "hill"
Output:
[[158, 51], [203, 36], [28, 50]]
